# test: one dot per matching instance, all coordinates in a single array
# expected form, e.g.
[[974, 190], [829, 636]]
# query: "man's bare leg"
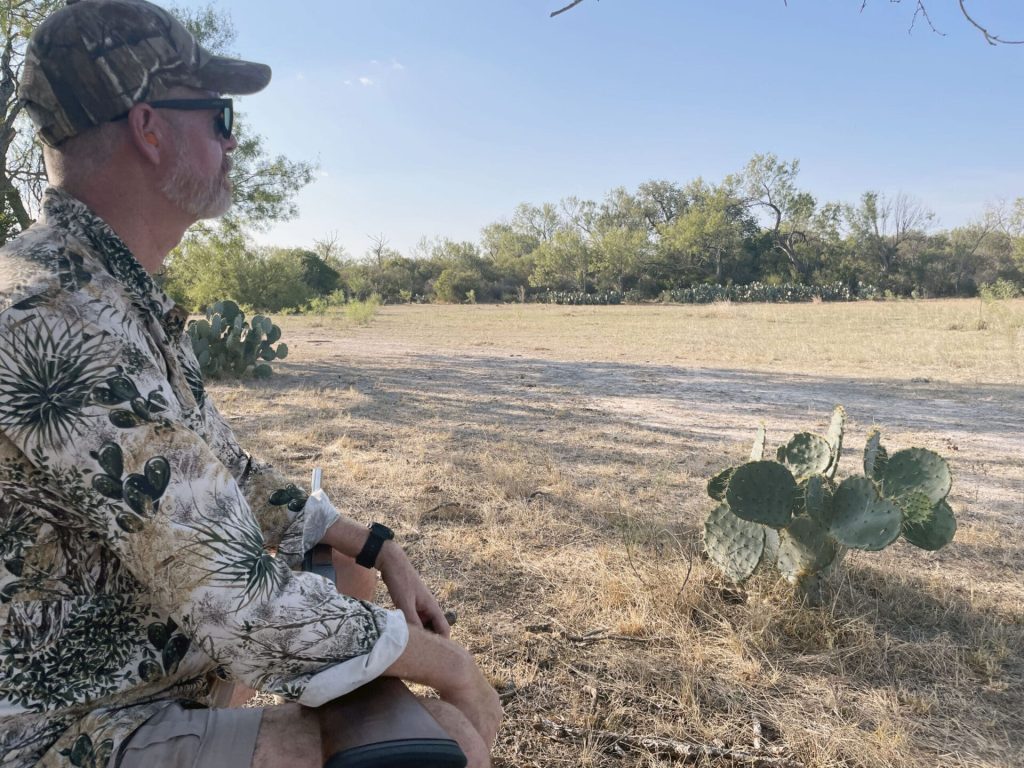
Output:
[[289, 735], [460, 729]]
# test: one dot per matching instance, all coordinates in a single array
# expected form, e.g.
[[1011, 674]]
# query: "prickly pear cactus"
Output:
[[793, 514], [227, 346]]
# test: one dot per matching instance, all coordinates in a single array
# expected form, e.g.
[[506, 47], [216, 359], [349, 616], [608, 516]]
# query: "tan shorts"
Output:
[[193, 738]]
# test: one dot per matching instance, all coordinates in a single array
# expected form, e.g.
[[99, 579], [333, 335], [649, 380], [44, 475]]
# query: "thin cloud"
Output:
[[366, 81], [397, 65]]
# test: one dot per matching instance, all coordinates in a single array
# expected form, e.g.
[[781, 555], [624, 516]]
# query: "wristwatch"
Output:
[[378, 535]]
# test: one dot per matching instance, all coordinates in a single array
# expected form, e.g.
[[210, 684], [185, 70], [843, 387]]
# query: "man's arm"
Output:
[[410, 595], [113, 453]]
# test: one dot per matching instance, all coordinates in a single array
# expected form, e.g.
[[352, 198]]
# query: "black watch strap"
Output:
[[378, 535]]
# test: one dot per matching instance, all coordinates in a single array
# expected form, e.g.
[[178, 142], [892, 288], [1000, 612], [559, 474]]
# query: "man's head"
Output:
[[120, 87], [92, 61]]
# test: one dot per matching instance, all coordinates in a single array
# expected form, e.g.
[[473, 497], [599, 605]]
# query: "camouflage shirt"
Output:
[[134, 530]]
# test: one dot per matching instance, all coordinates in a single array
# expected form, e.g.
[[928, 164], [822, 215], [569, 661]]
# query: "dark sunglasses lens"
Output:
[[225, 122]]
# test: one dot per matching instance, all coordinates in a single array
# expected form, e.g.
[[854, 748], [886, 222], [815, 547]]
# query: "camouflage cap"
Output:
[[92, 60]]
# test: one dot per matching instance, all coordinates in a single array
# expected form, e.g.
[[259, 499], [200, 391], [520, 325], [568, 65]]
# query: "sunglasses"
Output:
[[223, 121]]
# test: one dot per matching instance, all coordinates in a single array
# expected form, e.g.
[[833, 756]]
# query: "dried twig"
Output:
[[597, 635], [442, 505], [662, 747], [570, 6], [989, 37]]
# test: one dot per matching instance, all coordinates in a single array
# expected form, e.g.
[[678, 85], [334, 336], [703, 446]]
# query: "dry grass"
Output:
[[545, 467]]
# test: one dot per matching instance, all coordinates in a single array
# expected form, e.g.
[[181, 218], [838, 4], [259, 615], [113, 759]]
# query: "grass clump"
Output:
[[362, 312]]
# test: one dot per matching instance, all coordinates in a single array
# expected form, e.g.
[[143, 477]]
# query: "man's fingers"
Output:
[[436, 622]]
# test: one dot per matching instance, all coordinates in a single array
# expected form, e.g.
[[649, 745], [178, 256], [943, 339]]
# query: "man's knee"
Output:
[[478, 754]]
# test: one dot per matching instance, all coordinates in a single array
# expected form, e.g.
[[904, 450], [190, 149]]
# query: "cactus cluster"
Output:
[[791, 512], [226, 345]]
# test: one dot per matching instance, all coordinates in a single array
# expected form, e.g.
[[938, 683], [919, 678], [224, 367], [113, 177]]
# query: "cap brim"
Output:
[[233, 76]]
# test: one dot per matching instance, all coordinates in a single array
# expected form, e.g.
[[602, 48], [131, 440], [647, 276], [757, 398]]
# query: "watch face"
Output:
[[381, 530]]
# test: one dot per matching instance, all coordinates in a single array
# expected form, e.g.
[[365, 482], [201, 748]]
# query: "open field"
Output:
[[545, 466]]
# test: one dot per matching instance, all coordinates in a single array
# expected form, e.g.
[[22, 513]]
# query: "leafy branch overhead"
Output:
[[920, 12]]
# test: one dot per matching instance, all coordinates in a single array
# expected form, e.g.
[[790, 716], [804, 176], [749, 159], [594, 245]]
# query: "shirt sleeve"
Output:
[[96, 419], [288, 523]]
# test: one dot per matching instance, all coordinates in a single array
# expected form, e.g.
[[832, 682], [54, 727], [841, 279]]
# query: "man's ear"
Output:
[[146, 130]]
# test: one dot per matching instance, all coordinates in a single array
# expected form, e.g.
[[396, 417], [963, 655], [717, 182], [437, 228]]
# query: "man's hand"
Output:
[[410, 595]]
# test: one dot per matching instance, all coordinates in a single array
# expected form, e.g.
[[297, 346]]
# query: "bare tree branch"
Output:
[[570, 6], [989, 37], [920, 11]]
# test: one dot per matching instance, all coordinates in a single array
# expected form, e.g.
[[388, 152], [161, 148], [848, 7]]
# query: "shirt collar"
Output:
[[69, 213]]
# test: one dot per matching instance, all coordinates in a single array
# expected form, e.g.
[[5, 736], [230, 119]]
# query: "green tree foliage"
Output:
[[210, 266], [564, 261], [756, 235]]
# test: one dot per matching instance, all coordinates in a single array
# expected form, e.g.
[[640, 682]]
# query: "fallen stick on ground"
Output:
[[682, 750]]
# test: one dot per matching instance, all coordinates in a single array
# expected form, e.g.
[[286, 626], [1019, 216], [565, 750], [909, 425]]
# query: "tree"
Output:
[[510, 254], [618, 251], [540, 222], [660, 202], [882, 227], [264, 187], [21, 165], [710, 236], [563, 261], [769, 184]]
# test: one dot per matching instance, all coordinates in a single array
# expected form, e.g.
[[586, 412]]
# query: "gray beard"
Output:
[[200, 198]]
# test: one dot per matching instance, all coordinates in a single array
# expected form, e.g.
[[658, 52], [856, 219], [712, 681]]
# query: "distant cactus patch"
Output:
[[227, 346], [790, 512]]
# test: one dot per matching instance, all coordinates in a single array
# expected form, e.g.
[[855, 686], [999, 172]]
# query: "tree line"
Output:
[[755, 226]]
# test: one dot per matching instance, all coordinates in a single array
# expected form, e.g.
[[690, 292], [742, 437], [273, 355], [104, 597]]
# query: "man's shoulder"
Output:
[[40, 263]]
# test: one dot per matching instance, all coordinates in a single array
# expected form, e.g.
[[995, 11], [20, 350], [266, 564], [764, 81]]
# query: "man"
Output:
[[134, 530]]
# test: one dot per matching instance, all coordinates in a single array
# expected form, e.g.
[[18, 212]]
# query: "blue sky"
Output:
[[436, 118]]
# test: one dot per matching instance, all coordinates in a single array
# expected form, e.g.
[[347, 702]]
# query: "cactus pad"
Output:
[[818, 499], [804, 548], [935, 532], [806, 454], [734, 545], [916, 469], [860, 518], [875, 456], [771, 545], [762, 492], [915, 506], [718, 484], [834, 437], [757, 449]]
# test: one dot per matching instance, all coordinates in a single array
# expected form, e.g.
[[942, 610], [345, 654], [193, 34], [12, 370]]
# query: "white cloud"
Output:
[[365, 81], [374, 62], [348, 82], [324, 174], [396, 64]]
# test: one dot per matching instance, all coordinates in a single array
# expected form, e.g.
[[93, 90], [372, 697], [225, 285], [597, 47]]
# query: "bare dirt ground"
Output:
[[549, 481]]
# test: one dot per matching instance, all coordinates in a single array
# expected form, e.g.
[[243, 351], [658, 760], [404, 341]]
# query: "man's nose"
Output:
[[231, 144]]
